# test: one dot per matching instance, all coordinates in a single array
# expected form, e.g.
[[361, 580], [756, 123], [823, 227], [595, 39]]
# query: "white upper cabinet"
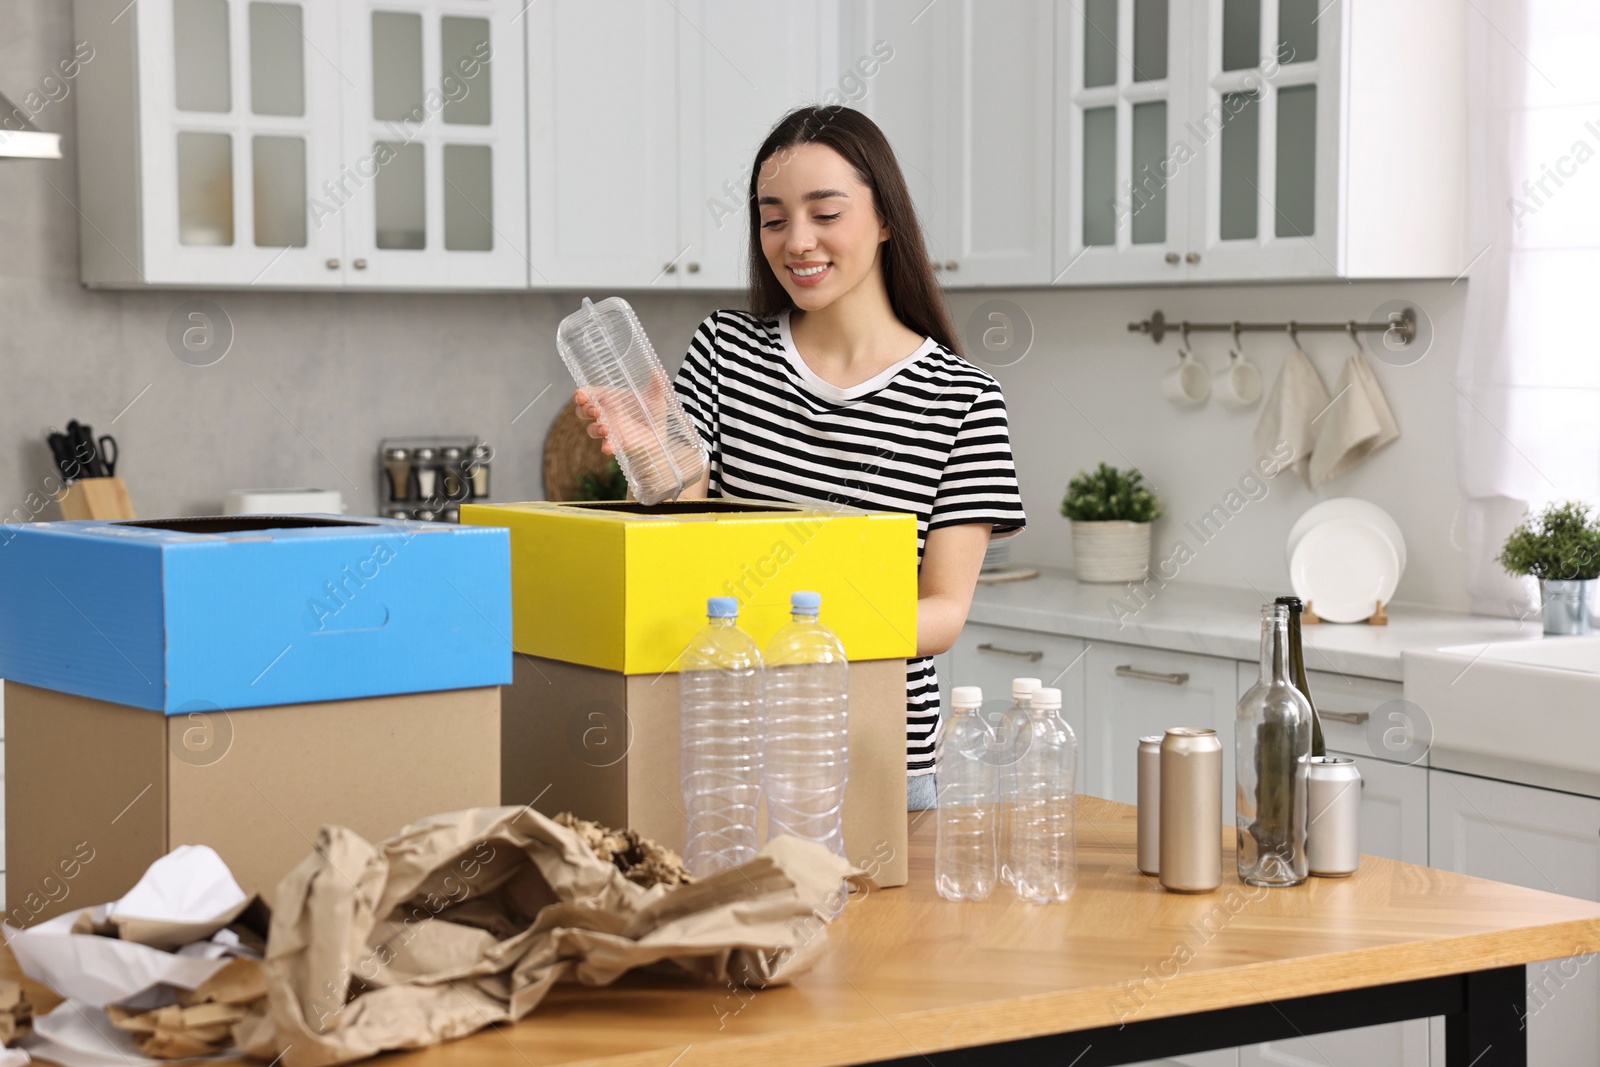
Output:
[[742, 67], [203, 127], [644, 121], [607, 144], [602, 144], [1267, 144], [964, 92], [292, 144], [1122, 101], [434, 136], [1264, 125]]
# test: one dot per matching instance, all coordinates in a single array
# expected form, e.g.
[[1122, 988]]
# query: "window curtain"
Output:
[[1528, 381]]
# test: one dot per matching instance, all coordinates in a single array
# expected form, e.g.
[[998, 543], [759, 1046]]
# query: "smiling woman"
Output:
[[844, 384]]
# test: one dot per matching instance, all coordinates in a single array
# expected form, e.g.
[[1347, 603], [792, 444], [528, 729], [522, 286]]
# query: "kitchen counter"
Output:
[[1224, 621]]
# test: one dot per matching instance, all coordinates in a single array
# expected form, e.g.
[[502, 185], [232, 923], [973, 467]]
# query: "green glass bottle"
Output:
[[1297, 670]]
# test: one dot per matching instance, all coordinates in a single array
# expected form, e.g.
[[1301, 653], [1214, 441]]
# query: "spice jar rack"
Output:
[[429, 478]]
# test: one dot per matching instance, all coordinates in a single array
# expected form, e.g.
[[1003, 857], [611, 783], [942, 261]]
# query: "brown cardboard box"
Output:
[[96, 791], [604, 745]]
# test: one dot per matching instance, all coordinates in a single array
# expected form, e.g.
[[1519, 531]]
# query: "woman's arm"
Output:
[[951, 559], [589, 412]]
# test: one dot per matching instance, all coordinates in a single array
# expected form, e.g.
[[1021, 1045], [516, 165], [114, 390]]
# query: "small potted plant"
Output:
[[1111, 513], [1561, 547]]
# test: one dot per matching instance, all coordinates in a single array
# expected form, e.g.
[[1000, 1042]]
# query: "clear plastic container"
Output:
[[1045, 843], [720, 704], [609, 357], [964, 857], [1011, 732], [807, 750]]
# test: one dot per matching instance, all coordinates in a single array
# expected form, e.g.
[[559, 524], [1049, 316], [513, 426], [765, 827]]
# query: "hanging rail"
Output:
[[1401, 329]]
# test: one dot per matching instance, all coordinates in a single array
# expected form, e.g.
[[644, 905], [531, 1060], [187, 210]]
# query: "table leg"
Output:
[[1489, 1030]]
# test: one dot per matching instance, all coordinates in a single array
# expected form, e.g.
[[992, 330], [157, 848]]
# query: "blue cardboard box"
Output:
[[202, 614]]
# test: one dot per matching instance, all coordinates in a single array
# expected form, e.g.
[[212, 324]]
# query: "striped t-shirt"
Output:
[[927, 436]]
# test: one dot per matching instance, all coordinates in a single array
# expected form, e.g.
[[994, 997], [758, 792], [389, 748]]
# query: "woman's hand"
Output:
[[589, 412]]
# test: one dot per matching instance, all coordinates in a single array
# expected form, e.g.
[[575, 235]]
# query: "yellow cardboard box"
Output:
[[623, 587]]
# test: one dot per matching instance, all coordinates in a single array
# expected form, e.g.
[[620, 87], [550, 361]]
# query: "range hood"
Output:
[[21, 139]]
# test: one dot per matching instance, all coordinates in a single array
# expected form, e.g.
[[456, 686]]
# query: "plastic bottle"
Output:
[[610, 357], [1011, 731], [1046, 842], [807, 756], [720, 705], [964, 859]]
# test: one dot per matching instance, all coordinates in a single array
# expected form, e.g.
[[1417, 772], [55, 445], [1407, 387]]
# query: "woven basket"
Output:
[[569, 454], [1111, 551]]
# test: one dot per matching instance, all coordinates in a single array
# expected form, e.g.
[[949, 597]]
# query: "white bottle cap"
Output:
[[966, 696], [1047, 698], [1024, 687]]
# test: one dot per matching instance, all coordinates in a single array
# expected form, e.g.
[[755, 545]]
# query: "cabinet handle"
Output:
[[670, 268], [1192, 257], [1031, 655], [937, 266], [1128, 670], [1173, 257], [360, 264], [332, 264], [951, 265], [1354, 718], [694, 268]]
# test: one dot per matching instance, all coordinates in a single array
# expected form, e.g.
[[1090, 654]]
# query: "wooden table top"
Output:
[[908, 973]]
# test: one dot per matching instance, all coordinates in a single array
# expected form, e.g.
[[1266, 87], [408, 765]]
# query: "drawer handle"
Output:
[[1127, 670], [1354, 718], [1032, 656]]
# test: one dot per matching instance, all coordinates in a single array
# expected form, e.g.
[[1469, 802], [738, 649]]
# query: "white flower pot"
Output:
[[1111, 551]]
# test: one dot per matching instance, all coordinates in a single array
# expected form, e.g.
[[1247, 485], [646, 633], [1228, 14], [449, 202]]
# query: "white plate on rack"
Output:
[[1343, 568], [1350, 507]]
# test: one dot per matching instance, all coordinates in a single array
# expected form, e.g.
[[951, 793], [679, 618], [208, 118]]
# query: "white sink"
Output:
[[1531, 700]]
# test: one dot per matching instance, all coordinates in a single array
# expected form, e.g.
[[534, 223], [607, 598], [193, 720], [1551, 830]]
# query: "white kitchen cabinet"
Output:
[[289, 144], [967, 104], [990, 656], [602, 144], [1225, 140], [742, 66], [644, 122], [1133, 692], [1540, 839], [1122, 85], [203, 128], [435, 136]]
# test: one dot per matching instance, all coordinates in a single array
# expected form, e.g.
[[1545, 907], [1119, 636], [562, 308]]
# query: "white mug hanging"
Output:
[[1186, 385], [1239, 383]]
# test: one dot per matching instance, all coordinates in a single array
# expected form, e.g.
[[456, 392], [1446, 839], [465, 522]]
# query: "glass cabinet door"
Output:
[[1122, 150], [240, 121], [434, 134], [1268, 120]]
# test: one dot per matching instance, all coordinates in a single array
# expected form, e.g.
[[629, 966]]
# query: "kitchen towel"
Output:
[[1289, 417], [1356, 424]]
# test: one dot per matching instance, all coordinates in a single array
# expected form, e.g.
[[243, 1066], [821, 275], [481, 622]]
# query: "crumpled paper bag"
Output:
[[467, 919]]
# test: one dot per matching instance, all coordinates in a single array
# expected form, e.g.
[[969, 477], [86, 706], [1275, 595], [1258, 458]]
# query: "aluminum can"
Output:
[[1333, 816], [1191, 810], [1149, 850]]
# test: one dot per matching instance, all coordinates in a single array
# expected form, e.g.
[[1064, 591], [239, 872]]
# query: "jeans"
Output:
[[922, 792]]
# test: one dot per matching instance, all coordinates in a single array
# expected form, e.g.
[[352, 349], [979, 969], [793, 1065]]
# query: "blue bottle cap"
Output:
[[805, 602], [722, 607]]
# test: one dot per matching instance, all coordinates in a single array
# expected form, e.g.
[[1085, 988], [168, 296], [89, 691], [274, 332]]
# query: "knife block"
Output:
[[97, 498]]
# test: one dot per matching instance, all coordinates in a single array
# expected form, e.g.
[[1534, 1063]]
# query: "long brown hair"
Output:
[[914, 295]]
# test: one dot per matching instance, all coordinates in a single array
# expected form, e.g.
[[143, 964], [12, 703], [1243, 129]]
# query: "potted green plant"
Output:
[[1561, 547], [1111, 512]]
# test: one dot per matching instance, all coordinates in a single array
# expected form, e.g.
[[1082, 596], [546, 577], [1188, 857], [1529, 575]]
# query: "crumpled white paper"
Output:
[[80, 1035], [186, 896]]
